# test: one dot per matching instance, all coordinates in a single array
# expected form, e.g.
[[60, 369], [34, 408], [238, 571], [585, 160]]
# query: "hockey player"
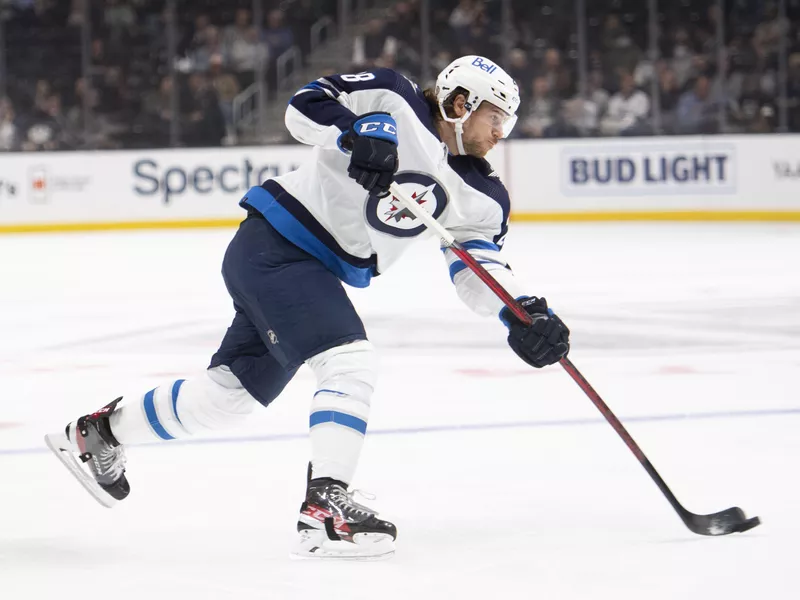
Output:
[[332, 221]]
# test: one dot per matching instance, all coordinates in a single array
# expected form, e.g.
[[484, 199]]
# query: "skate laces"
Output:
[[340, 495], [111, 461]]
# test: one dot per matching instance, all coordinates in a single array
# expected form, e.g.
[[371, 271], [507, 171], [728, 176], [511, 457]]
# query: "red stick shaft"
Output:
[[523, 316]]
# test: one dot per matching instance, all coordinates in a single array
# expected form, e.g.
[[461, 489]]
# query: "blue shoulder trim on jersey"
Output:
[[294, 222], [313, 102], [475, 173]]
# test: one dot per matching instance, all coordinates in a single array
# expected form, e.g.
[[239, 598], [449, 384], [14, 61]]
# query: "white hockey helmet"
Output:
[[484, 82]]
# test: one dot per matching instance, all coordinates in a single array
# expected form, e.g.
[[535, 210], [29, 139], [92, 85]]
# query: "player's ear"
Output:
[[459, 107]]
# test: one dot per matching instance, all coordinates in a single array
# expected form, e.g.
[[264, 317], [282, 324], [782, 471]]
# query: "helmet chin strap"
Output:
[[459, 127]]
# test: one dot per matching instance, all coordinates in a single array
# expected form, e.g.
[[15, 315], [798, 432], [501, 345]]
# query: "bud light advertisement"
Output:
[[642, 169]]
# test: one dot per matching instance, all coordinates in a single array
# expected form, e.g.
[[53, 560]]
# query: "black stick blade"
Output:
[[732, 520]]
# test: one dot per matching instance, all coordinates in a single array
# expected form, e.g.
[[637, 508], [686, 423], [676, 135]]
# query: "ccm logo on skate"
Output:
[[388, 215]]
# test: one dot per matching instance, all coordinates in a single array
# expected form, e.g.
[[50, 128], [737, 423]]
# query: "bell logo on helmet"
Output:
[[484, 65]]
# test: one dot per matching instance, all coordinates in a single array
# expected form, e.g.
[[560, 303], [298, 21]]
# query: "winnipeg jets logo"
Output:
[[398, 212], [388, 215]]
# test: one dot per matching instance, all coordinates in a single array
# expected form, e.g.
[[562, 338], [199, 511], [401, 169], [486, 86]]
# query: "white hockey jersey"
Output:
[[357, 236]]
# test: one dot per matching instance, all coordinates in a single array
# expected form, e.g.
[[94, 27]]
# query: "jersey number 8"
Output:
[[358, 77]]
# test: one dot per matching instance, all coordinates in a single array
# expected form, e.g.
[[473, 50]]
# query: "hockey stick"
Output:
[[724, 522]]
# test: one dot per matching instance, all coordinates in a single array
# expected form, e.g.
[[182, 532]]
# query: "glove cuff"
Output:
[[345, 142], [506, 315], [378, 125]]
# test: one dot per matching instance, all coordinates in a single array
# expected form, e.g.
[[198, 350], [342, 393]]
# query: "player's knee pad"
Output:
[[346, 377], [216, 400]]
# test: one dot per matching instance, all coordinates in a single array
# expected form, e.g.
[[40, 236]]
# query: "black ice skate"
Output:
[[332, 525], [92, 454]]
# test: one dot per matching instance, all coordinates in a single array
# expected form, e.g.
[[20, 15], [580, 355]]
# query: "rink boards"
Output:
[[678, 178]]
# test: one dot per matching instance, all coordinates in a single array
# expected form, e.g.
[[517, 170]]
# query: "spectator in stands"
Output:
[[41, 93], [237, 31], [767, 35], [540, 117], [697, 111], [405, 24], [481, 37], [627, 110], [206, 123], [559, 78], [669, 90], [373, 43], [98, 135], [518, 66], [462, 17], [46, 127], [620, 53], [794, 92], [243, 49], [227, 88], [443, 38], [583, 114], [120, 20], [747, 112], [8, 126], [100, 59], [208, 43], [682, 56], [76, 13], [246, 54], [157, 107], [277, 35], [119, 15], [198, 33], [441, 59]]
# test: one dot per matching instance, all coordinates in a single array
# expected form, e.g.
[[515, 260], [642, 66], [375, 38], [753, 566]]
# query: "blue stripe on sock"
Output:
[[334, 392], [176, 388], [332, 416], [152, 416]]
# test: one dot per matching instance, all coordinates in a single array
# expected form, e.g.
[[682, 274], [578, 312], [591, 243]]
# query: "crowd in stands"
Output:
[[692, 87], [44, 102], [697, 93]]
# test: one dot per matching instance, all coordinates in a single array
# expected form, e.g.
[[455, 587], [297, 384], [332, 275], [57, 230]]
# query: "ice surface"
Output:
[[504, 481]]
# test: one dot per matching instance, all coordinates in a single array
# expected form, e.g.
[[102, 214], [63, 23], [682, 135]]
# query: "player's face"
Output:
[[484, 129]]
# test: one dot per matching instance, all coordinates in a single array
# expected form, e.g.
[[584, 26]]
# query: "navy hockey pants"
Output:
[[289, 307]]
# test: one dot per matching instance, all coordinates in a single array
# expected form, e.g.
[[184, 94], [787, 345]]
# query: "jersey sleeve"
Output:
[[320, 111], [483, 239], [472, 291]]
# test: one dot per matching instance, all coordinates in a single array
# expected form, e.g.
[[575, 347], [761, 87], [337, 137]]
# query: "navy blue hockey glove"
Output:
[[372, 143], [543, 342]]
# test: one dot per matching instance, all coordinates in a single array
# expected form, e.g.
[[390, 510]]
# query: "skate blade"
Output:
[[315, 545], [62, 448]]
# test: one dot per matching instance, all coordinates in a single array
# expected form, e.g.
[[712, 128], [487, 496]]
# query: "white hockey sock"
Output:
[[340, 409], [183, 408]]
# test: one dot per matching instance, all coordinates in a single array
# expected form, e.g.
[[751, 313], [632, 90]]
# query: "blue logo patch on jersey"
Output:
[[388, 215]]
